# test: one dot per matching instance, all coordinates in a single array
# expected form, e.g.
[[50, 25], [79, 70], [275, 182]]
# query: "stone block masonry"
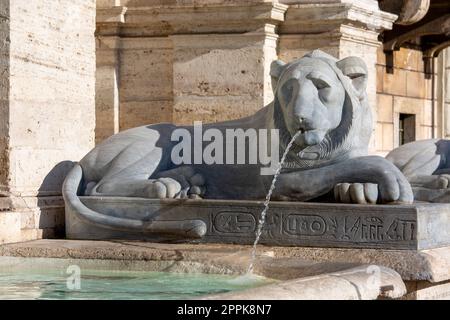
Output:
[[47, 109], [406, 91], [209, 60]]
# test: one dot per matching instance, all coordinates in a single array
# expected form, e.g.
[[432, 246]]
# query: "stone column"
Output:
[[445, 92], [107, 87], [47, 109], [338, 27]]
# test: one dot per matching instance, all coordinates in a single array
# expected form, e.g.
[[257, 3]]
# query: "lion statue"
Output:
[[426, 165], [318, 99]]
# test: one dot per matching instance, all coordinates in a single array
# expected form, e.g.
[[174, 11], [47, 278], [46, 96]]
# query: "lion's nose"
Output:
[[301, 120], [302, 114]]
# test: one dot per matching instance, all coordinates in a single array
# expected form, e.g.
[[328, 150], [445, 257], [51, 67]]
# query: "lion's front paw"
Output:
[[361, 193], [195, 189], [163, 188], [393, 187]]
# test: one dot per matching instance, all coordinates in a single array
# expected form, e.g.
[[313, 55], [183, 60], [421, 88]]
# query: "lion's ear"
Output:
[[276, 69], [355, 68]]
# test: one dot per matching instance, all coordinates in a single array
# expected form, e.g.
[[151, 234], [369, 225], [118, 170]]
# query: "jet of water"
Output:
[[262, 219]]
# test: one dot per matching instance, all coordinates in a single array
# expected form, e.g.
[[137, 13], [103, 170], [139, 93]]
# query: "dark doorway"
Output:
[[407, 128]]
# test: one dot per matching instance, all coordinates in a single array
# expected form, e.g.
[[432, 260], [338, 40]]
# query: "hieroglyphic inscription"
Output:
[[308, 225], [335, 227], [235, 222]]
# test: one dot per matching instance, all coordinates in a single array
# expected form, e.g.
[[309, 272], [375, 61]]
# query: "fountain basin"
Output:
[[49, 279], [404, 227], [191, 264]]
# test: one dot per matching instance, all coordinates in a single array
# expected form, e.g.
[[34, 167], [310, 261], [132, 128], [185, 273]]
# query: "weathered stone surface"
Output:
[[350, 284], [388, 136], [143, 19], [418, 226], [426, 265], [231, 79], [47, 63], [10, 227], [423, 290], [395, 83], [205, 258], [385, 108], [416, 85], [410, 91], [431, 265]]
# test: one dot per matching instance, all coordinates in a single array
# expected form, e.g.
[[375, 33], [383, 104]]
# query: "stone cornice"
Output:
[[188, 19], [307, 18], [408, 11]]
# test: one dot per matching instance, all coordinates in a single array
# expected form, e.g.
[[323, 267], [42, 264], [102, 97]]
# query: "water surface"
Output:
[[126, 285]]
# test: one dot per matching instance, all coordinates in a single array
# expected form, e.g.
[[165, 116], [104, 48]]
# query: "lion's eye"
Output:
[[319, 81], [287, 90]]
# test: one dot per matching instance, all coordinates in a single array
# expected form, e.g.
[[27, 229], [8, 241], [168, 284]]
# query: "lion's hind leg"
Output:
[[161, 188], [129, 175]]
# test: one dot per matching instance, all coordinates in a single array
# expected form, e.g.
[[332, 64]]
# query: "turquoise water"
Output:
[[126, 285]]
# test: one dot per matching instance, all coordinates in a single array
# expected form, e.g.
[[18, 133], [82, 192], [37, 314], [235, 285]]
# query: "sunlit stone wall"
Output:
[[47, 109], [407, 91]]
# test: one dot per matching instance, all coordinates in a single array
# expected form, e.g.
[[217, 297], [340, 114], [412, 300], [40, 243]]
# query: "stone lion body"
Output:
[[318, 95]]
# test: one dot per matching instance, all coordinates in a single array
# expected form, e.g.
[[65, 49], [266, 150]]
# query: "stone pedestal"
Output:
[[403, 227], [47, 87]]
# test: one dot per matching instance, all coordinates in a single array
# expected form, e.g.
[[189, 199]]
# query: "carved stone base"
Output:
[[417, 227]]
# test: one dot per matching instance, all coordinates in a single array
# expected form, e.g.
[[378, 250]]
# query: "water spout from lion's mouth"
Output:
[[309, 137]]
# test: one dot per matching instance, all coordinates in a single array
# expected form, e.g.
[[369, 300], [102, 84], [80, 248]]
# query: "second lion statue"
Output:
[[317, 95]]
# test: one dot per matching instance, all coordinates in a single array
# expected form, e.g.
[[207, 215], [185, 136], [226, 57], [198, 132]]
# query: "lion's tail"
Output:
[[183, 228]]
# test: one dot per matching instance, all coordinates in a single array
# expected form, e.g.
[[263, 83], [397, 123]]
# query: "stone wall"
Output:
[[46, 109], [4, 94], [210, 60], [133, 83], [405, 91], [176, 62]]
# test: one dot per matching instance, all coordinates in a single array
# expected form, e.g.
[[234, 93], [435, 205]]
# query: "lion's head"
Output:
[[325, 99]]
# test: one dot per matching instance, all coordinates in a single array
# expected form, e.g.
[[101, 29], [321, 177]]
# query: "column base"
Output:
[[31, 218]]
